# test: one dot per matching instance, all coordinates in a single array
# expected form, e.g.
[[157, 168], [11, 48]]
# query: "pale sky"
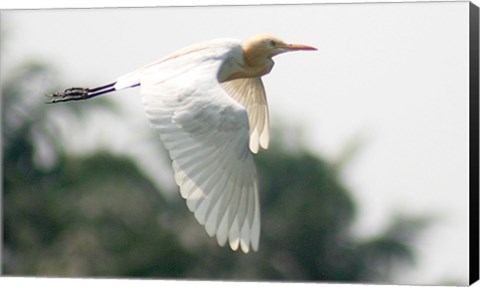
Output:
[[394, 76]]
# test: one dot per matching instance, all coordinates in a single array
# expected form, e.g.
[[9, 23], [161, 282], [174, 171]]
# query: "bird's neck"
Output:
[[252, 67], [258, 66]]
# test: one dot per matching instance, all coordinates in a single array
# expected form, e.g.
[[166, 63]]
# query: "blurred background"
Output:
[[366, 179]]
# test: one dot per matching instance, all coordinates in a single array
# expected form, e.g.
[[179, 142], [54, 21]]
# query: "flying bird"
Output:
[[209, 104]]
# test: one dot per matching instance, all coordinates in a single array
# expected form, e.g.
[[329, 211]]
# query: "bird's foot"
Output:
[[72, 94]]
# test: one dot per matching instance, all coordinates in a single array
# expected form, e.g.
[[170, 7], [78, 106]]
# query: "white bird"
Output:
[[208, 103]]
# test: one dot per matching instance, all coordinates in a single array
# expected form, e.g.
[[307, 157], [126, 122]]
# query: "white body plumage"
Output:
[[206, 133]]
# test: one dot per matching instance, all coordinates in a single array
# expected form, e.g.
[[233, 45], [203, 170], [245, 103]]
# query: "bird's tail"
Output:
[[77, 94]]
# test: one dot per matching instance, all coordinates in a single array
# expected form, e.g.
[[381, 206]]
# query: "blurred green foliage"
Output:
[[99, 216]]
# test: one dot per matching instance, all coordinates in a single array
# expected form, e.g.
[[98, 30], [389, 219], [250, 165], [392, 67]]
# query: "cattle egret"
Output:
[[209, 105]]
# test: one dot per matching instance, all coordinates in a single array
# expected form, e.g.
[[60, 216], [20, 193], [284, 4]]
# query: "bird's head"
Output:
[[259, 50], [267, 46]]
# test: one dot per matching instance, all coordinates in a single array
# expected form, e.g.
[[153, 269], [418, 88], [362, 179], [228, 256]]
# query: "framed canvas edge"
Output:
[[474, 142]]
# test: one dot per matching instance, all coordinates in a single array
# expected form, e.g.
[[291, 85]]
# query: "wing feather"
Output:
[[250, 93], [206, 133]]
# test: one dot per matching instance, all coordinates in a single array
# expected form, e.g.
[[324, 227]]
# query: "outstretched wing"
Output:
[[206, 133], [250, 93]]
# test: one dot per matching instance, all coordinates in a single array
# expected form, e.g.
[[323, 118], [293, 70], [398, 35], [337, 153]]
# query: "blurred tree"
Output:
[[98, 215], [75, 216]]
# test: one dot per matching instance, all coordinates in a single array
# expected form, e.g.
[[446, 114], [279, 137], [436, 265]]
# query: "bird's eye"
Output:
[[272, 43]]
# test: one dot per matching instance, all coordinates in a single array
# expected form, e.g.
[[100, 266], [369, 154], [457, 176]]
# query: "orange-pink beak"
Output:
[[299, 47]]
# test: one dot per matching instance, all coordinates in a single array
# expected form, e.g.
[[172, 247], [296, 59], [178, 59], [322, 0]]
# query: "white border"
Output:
[[41, 4]]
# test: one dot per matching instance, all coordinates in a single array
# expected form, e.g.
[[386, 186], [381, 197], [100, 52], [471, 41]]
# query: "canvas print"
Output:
[[305, 143]]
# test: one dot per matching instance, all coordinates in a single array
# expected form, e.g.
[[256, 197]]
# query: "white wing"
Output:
[[178, 62], [250, 93], [206, 133]]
